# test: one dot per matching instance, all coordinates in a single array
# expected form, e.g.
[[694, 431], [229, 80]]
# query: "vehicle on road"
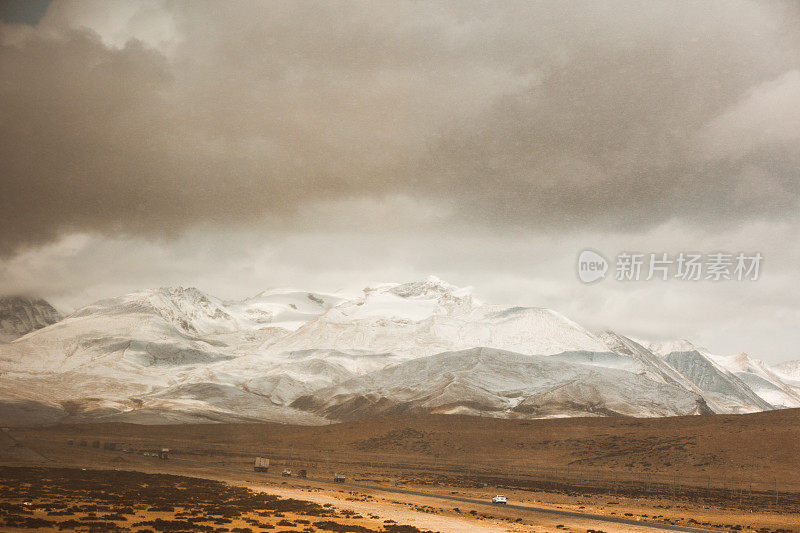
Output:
[[261, 464], [338, 478], [286, 473], [499, 499], [302, 473]]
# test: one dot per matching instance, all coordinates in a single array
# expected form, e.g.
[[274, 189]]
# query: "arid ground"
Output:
[[438, 473]]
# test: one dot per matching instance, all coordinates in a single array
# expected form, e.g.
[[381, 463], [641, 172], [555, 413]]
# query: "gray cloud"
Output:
[[614, 131], [525, 267], [542, 115], [329, 145]]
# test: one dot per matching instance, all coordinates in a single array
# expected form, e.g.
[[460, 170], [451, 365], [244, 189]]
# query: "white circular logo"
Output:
[[591, 266]]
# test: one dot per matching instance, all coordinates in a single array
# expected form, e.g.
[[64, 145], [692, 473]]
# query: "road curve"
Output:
[[528, 508]]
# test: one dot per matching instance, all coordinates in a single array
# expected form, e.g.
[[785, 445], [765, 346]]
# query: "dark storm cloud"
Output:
[[25, 11], [546, 114], [615, 129]]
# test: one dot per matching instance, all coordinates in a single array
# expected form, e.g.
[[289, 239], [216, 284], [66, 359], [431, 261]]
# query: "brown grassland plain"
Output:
[[721, 472]]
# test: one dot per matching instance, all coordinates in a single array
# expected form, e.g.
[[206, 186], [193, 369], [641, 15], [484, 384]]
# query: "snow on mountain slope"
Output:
[[761, 380], [176, 354], [644, 361], [414, 301], [713, 373], [490, 382], [287, 309], [246, 388], [283, 379], [693, 371], [187, 309], [20, 315], [74, 373], [789, 373], [632, 356], [425, 318], [198, 314], [114, 351], [716, 382], [265, 318], [789, 369], [123, 331], [667, 347], [134, 350]]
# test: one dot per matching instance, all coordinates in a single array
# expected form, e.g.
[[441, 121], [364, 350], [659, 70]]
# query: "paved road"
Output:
[[471, 501]]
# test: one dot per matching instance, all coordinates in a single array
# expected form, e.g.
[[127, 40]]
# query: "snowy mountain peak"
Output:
[[432, 287], [414, 301], [761, 379], [306, 357], [664, 348], [182, 293], [721, 386], [742, 362], [173, 295], [788, 369], [188, 309], [789, 372], [284, 308]]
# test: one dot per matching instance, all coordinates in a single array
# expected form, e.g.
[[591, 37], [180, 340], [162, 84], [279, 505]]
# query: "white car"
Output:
[[499, 499]]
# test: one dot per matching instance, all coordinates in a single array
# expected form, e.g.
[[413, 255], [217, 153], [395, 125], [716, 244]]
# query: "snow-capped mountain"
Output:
[[20, 315], [789, 373], [430, 317], [491, 382], [131, 350], [760, 379], [643, 361], [667, 347], [720, 385], [736, 383], [103, 357], [177, 354], [692, 371], [287, 309]]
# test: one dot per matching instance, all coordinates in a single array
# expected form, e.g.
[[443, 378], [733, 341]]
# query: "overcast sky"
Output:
[[239, 146]]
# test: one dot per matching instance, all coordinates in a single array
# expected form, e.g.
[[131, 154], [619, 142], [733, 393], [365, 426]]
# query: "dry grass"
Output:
[[54, 499]]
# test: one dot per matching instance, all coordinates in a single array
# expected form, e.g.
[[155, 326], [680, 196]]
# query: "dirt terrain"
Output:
[[729, 473], [102, 500]]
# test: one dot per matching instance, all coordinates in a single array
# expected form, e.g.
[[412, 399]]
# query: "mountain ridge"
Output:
[[177, 354], [19, 315]]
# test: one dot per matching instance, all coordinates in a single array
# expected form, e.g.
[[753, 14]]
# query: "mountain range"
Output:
[[178, 355]]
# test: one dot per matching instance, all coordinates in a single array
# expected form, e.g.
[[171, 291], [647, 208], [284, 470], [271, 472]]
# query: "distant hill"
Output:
[[20, 315]]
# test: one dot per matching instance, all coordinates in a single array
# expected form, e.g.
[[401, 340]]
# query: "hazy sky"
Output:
[[239, 146]]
